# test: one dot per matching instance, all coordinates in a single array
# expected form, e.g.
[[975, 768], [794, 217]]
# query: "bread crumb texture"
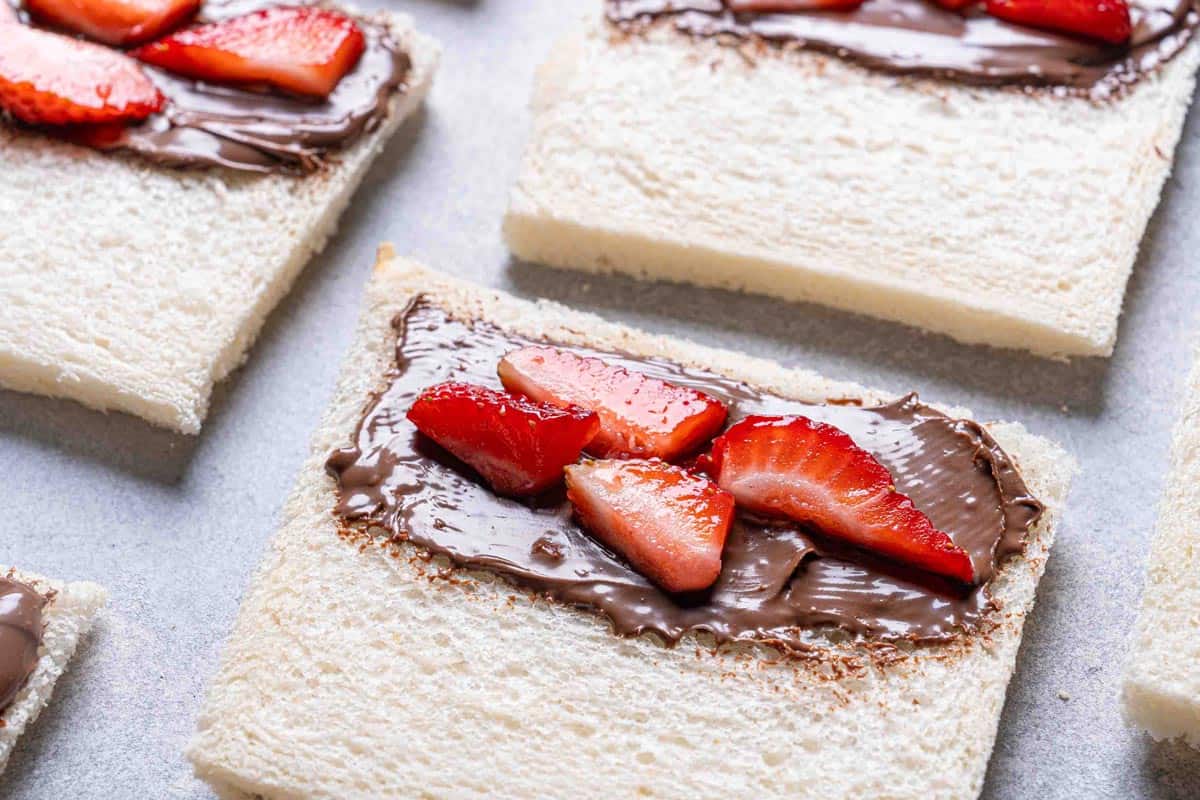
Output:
[[67, 617], [991, 215], [350, 673], [1162, 682], [131, 287]]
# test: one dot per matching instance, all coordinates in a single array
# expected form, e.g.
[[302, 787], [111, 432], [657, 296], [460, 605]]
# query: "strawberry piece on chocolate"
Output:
[[763, 6], [954, 5], [519, 447], [303, 50], [670, 524], [814, 474], [640, 416], [1106, 20], [116, 22], [47, 79]]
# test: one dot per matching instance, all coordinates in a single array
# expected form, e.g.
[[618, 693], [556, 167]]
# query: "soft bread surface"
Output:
[[67, 618], [351, 673], [136, 288], [989, 215], [1162, 682]]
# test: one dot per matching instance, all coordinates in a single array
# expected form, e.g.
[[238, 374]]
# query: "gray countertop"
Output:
[[174, 525]]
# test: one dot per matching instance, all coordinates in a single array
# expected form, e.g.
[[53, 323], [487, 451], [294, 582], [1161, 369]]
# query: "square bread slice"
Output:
[[990, 215], [351, 673], [131, 287], [68, 616], [1162, 682]]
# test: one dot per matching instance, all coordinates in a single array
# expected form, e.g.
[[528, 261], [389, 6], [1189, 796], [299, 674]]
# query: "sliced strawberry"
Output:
[[791, 5], [814, 473], [519, 447], [640, 416], [954, 5], [670, 524], [305, 50], [47, 79], [1106, 20], [115, 22]]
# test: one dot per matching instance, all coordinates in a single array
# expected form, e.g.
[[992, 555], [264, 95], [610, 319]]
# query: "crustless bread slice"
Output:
[[68, 616], [135, 288], [350, 673], [1162, 681], [990, 215]]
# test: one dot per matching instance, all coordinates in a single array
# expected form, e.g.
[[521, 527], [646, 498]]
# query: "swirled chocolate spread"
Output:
[[20, 636], [919, 37], [207, 124], [779, 583]]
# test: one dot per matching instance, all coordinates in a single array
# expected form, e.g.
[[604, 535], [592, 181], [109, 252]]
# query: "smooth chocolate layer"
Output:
[[919, 37], [778, 582], [207, 124], [20, 636]]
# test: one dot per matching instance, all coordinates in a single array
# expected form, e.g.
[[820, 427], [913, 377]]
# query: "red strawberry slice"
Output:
[[47, 79], [115, 22], [670, 524], [640, 416], [519, 447], [1106, 20], [814, 473], [954, 5], [305, 50], [792, 5]]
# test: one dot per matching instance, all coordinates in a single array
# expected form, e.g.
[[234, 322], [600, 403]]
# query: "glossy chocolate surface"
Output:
[[207, 125], [778, 582], [919, 37], [20, 636]]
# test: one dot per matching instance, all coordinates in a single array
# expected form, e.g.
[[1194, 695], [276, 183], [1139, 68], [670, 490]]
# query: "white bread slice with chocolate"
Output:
[[68, 615], [351, 672], [133, 287], [990, 215], [1162, 681]]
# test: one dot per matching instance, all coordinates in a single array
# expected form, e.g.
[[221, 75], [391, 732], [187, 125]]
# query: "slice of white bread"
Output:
[[989, 215], [351, 673], [68, 617], [1162, 681], [132, 287]]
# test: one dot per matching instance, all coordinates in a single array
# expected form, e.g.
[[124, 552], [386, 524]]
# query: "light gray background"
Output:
[[174, 525]]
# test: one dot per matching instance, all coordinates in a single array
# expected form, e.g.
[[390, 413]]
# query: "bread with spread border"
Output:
[[155, 284], [67, 617], [1162, 681], [353, 673], [991, 215]]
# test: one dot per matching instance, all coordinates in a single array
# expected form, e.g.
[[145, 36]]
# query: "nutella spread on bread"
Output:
[[20, 636], [254, 128], [782, 583], [923, 38]]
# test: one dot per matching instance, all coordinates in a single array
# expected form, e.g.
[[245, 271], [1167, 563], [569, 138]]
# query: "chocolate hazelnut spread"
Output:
[[208, 124], [20, 636], [779, 583], [919, 37]]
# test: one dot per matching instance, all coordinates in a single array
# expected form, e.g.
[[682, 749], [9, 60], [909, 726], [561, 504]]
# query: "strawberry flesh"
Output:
[[640, 416], [1106, 20], [47, 79], [116, 22], [813, 473], [792, 5], [954, 5], [303, 50], [670, 524], [517, 446]]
